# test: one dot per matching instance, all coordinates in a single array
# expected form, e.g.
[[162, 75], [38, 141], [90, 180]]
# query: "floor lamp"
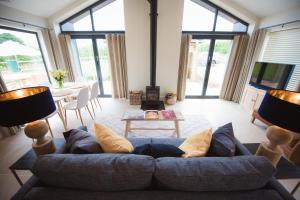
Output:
[[281, 108], [28, 106]]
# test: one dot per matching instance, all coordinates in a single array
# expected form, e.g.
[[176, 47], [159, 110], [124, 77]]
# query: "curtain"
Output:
[[118, 64], [66, 47], [251, 56], [5, 131], [234, 68], [183, 66], [49, 47]]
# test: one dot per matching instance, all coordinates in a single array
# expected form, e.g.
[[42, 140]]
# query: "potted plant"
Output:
[[171, 98], [59, 77]]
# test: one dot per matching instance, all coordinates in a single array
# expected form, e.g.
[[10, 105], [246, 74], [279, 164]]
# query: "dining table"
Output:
[[69, 90]]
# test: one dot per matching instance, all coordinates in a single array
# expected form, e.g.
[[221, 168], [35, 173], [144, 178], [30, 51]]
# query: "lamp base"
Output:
[[273, 155], [37, 130], [277, 136], [45, 148]]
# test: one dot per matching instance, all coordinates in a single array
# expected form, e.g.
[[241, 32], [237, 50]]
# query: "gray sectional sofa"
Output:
[[133, 177]]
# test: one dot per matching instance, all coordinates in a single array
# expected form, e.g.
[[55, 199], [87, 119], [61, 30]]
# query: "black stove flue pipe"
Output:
[[153, 39]]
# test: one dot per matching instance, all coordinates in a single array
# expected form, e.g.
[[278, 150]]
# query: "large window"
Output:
[[88, 29], [21, 59], [212, 30]]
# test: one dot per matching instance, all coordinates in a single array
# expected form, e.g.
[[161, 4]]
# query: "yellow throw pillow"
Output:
[[111, 142], [197, 145]]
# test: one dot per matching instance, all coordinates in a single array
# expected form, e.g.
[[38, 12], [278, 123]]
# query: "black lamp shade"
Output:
[[281, 108], [25, 105]]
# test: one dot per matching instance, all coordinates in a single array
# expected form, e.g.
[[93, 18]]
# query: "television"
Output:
[[271, 75]]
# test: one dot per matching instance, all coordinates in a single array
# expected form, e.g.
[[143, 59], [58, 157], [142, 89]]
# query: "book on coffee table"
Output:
[[168, 114], [151, 114], [134, 114]]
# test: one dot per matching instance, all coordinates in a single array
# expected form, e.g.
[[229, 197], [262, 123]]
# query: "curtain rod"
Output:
[[282, 24], [23, 23]]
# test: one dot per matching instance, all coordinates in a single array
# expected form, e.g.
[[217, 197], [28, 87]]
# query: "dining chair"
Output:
[[94, 96], [80, 102]]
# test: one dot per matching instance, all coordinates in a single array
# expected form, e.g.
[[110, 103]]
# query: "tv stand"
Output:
[[252, 98]]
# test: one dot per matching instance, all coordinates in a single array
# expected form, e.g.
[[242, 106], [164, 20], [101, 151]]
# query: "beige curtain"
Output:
[[66, 48], [118, 64], [5, 131], [183, 66], [50, 48], [234, 67], [251, 56]]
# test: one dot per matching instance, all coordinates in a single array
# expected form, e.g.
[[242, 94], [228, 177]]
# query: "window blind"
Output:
[[284, 47]]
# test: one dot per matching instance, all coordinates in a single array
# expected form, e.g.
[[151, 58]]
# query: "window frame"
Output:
[[214, 32], [90, 10], [39, 44]]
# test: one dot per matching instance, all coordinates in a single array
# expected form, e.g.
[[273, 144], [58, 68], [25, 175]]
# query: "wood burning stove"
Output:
[[152, 95]]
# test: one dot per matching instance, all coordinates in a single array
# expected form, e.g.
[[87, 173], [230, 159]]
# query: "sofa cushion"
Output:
[[158, 150], [79, 141], [213, 174], [222, 143], [196, 145], [95, 172], [110, 141], [171, 141], [139, 141], [67, 133]]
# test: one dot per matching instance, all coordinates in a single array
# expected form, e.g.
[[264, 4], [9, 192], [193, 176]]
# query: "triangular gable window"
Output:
[[204, 16], [104, 16]]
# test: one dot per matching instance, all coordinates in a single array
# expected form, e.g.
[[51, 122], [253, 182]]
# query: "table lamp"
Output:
[[281, 108], [28, 106]]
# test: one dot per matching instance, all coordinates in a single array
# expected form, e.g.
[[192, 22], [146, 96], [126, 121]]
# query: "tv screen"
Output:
[[271, 75]]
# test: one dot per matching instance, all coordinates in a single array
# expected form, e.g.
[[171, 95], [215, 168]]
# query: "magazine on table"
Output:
[[151, 114], [168, 114], [135, 114]]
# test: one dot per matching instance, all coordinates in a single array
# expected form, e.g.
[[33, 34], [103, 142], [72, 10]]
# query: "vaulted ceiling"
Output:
[[46, 8]]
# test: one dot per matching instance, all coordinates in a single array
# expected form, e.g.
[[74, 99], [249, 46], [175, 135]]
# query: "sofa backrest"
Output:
[[213, 173], [121, 172], [95, 172]]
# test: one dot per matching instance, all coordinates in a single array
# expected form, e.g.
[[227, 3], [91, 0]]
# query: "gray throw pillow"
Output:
[[79, 141], [222, 143]]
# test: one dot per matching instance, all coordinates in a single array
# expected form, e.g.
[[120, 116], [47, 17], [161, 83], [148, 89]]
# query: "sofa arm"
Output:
[[241, 149], [20, 195], [274, 184]]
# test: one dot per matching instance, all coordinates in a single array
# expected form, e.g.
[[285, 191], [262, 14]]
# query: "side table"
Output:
[[26, 162]]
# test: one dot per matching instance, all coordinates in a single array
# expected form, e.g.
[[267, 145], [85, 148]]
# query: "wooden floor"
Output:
[[218, 112]]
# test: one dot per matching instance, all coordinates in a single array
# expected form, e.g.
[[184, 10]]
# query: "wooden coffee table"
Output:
[[128, 119]]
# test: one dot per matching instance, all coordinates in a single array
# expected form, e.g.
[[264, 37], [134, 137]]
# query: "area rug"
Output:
[[191, 125]]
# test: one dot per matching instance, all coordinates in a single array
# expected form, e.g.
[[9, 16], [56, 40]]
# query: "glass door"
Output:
[[208, 57], [198, 57], [93, 61]]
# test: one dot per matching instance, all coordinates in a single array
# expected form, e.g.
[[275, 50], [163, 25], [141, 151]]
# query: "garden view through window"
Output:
[[21, 61], [212, 31]]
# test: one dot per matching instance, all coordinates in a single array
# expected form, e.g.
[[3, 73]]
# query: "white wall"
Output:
[[137, 35], [17, 15], [282, 17], [169, 23]]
